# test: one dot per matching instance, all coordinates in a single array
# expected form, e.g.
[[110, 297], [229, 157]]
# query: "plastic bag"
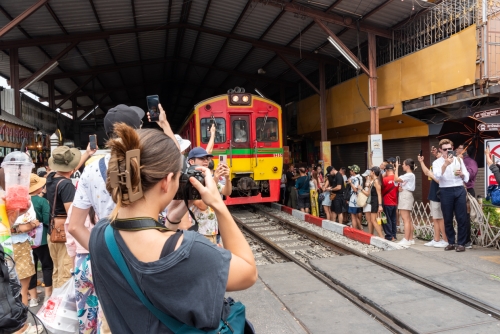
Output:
[[36, 236], [58, 314]]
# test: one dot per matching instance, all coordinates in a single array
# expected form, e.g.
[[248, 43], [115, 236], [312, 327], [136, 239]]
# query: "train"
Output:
[[248, 137]]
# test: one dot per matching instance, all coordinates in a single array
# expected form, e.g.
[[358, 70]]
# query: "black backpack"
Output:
[[13, 314]]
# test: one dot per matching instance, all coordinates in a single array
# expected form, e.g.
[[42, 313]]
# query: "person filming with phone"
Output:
[[452, 173]]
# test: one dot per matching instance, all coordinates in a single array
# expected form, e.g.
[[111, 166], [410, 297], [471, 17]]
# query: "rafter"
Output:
[[21, 17], [75, 91], [299, 73]]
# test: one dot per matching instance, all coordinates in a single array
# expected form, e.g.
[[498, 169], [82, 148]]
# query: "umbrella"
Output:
[[464, 131]]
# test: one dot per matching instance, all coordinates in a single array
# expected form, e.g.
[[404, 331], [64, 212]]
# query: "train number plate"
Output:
[[278, 155]]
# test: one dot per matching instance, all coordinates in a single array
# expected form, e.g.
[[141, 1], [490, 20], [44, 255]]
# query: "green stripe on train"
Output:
[[242, 151]]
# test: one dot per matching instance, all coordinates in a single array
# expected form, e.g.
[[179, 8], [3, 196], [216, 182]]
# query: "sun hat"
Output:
[[354, 168], [198, 152], [36, 182], [366, 173], [122, 113], [183, 143], [64, 159]]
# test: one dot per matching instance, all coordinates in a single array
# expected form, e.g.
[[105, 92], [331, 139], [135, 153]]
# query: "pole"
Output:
[[325, 145], [14, 80], [372, 82]]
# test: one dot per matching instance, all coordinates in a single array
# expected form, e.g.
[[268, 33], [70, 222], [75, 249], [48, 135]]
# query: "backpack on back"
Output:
[[13, 314], [494, 195]]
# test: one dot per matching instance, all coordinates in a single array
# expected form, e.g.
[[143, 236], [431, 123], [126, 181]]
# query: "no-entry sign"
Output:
[[487, 113], [489, 127]]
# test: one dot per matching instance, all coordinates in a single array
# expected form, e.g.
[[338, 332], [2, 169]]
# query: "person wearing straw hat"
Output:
[[42, 253], [63, 162]]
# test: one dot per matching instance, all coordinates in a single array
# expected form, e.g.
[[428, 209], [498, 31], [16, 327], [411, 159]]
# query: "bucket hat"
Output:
[[64, 159]]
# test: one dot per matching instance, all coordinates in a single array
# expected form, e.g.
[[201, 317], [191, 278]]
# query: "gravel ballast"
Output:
[[355, 245]]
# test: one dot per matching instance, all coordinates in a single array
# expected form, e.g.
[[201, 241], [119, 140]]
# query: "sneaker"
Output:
[[431, 243], [441, 244], [412, 241], [33, 302], [468, 245], [404, 242]]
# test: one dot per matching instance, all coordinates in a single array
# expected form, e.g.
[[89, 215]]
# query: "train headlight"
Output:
[[275, 169], [235, 98], [245, 98]]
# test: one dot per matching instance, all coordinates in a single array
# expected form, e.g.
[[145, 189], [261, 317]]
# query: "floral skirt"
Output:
[[87, 304]]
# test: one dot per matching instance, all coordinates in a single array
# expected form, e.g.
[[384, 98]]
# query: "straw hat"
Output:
[[36, 182]]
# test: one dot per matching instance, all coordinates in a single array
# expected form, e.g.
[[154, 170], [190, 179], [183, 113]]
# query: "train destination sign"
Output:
[[487, 113], [489, 127]]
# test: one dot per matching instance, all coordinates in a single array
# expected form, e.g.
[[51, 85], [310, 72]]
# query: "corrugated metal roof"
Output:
[[77, 17], [6, 117]]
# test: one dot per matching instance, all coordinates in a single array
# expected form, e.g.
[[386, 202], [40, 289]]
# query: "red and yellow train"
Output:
[[248, 136]]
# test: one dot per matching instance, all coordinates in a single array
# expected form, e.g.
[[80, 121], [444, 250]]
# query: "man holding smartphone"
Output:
[[451, 174]]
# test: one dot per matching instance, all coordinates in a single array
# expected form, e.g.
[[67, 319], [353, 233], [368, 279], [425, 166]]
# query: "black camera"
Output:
[[186, 189]]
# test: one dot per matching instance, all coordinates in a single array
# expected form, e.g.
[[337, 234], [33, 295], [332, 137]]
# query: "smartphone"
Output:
[[93, 142], [223, 159], [398, 160], [154, 112], [452, 152], [420, 153]]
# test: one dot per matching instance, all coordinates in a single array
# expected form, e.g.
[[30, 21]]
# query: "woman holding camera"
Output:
[[181, 273]]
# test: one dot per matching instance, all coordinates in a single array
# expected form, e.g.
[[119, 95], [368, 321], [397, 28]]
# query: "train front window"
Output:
[[220, 129], [267, 129], [240, 131]]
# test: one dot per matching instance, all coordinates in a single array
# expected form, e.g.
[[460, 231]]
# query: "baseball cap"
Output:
[[389, 166], [183, 143], [354, 168], [123, 114], [366, 173], [391, 160], [329, 169], [198, 152], [41, 169]]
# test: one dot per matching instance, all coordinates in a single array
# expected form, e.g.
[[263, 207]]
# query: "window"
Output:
[[220, 130], [267, 129], [240, 131]]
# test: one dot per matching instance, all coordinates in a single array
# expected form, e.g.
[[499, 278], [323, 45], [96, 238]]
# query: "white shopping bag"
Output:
[[59, 314]]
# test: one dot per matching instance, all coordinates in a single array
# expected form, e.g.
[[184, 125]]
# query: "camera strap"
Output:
[[139, 224], [195, 226]]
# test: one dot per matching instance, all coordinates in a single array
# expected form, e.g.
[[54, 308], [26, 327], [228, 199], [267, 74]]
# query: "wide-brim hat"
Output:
[[64, 159], [36, 182]]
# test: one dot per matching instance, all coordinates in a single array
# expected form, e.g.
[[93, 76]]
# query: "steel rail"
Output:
[[367, 306], [462, 298]]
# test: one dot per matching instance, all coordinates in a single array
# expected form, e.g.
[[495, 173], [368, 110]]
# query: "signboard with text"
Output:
[[487, 113], [489, 178], [489, 127], [376, 149]]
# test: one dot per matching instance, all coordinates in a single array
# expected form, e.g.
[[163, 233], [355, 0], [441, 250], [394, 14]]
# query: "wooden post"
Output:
[[14, 80]]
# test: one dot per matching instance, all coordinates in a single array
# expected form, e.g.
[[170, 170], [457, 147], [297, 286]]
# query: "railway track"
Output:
[[284, 241]]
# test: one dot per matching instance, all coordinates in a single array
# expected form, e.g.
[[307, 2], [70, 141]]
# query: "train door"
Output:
[[240, 152]]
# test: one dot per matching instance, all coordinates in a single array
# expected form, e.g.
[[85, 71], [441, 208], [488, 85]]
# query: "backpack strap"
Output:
[[168, 321], [103, 169]]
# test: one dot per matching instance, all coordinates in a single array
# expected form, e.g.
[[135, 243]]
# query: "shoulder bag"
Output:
[[235, 322], [364, 199], [57, 232]]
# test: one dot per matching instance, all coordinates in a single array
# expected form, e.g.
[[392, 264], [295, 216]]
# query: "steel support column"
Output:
[[283, 116], [322, 102], [14, 80], [74, 108], [372, 84], [52, 102]]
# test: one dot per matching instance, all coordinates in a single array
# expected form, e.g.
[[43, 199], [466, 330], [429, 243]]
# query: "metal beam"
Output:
[[75, 91], [342, 45], [322, 102], [21, 17], [327, 17], [107, 69], [47, 65], [95, 104], [299, 73], [372, 84], [105, 34]]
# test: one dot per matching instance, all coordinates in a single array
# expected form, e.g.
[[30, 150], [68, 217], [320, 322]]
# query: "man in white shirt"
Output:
[[452, 173]]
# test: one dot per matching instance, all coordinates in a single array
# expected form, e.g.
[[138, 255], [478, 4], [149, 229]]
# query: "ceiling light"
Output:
[[258, 92], [342, 51], [261, 71], [47, 70]]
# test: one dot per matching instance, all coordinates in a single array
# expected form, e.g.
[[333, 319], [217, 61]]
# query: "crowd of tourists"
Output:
[[382, 196], [126, 198]]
